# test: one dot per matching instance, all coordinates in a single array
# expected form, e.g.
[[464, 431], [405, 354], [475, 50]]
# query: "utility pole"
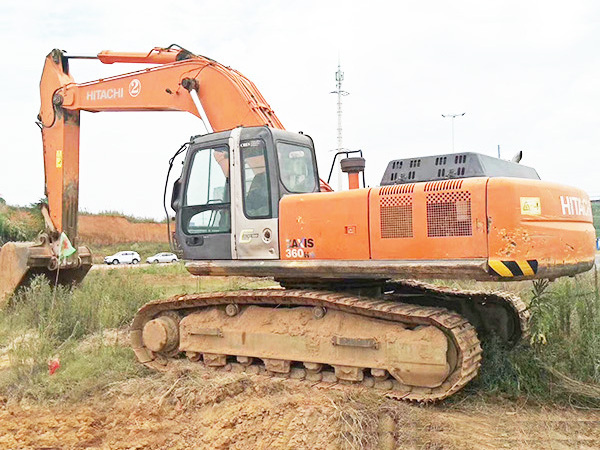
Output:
[[453, 116], [339, 77]]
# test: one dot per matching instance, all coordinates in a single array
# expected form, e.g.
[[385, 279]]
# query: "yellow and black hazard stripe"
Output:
[[509, 269]]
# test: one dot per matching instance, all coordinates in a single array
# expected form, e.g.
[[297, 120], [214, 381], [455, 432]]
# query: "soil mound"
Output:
[[106, 230]]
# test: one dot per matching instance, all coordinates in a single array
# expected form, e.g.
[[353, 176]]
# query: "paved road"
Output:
[[125, 266]]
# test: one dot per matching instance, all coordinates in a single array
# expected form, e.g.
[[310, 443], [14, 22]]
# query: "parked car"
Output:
[[126, 257], [162, 258]]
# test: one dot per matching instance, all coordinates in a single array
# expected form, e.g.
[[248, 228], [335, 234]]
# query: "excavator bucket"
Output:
[[20, 262]]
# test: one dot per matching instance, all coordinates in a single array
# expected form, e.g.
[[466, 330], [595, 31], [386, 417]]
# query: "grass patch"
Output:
[[81, 374], [596, 215], [19, 223], [129, 217], [561, 360], [43, 323], [104, 301]]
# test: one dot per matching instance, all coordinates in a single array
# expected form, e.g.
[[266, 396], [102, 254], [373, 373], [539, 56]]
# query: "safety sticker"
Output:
[[509, 269], [531, 206], [59, 159]]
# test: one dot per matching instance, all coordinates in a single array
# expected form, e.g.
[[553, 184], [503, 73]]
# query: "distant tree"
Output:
[[596, 215]]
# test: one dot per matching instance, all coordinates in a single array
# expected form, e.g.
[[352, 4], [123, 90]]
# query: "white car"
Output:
[[123, 258], [162, 258]]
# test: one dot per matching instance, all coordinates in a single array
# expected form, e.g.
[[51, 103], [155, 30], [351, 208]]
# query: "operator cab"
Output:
[[227, 198]]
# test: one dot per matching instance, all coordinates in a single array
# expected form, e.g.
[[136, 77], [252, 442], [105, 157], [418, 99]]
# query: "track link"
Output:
[[458, 330]]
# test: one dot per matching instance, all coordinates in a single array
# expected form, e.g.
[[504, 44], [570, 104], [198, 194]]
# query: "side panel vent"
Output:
[[449, 214], [443, 185], [396, 217], [397, 189]]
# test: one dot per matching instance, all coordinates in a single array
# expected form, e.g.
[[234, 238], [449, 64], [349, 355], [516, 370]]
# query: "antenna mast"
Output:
[[339, 77]]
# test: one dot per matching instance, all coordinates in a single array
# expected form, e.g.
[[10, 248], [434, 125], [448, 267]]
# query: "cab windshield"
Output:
[[296, 167]]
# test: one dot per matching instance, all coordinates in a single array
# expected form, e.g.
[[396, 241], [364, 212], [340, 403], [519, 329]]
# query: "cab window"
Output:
[[206, 207], [296, 167], [255, 179]]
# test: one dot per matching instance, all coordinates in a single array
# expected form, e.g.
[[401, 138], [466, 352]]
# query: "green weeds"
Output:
[[44, 322], [129, 217], [596, 215], [561, 359], [19, 223]]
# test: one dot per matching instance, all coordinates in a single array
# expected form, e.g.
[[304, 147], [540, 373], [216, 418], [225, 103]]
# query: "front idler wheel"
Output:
[[161, 335]]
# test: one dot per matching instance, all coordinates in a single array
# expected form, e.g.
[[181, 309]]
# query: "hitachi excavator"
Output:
[[249, 202]]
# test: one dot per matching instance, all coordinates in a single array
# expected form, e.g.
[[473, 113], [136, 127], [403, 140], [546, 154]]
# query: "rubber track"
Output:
[[513, 303], [457, 328]]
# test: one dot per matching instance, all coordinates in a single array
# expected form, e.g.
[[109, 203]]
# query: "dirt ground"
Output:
[[238, 411], [111, 229]]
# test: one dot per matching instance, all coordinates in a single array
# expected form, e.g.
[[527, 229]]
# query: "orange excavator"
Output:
[[249, 202]]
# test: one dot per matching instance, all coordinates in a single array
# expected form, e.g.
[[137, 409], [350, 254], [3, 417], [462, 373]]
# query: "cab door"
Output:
[[255, 206], [204, 205]]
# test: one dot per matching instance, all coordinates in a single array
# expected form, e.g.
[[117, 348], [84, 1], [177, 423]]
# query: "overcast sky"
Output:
[[527, 74]]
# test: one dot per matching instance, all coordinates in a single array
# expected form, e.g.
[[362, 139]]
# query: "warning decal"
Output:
[[59, 159], [531, 206]]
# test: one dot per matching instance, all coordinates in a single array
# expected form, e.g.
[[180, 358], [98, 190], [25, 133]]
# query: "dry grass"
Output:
[[574, 387], [107, 230], [210, 409]]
